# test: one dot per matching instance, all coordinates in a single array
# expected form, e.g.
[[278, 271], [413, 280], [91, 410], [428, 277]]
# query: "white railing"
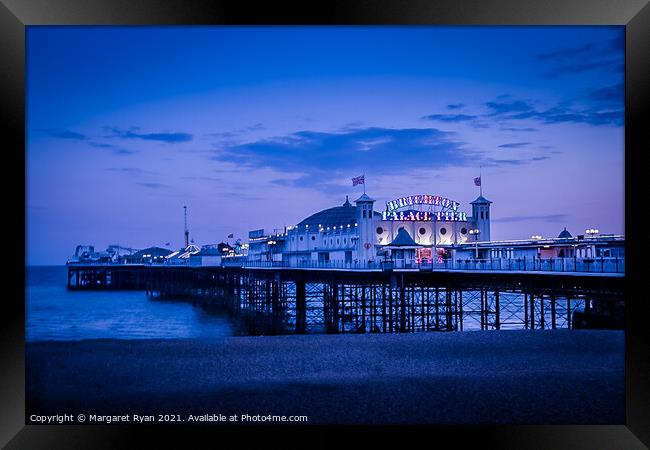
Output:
[[598, 265], [338, 264], [591, 265], [581, 265]]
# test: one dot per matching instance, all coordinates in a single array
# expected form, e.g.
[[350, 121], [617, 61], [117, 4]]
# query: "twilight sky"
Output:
[[259, 127]]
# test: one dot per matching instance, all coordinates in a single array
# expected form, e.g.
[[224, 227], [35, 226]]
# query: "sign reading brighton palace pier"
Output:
[[395, 209]]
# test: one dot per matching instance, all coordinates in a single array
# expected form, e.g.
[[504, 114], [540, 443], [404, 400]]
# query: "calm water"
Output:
[[54, 313]]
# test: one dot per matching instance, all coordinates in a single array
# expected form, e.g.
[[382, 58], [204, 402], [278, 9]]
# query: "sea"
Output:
[[52, 312]]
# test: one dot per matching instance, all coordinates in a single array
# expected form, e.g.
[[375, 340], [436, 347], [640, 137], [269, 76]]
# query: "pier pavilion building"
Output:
[[409, 232], [417, 229], [409, 229], [565, 245]]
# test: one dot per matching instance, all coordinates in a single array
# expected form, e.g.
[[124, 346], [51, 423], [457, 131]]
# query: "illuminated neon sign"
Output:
[[433, 200], [401, 209], [410, 215], [425, 216]]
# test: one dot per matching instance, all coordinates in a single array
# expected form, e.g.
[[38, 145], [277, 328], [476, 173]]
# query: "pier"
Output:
[[281, 300]]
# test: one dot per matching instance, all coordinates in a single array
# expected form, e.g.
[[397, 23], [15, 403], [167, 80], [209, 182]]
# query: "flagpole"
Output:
[[364, 181], [480, 177]]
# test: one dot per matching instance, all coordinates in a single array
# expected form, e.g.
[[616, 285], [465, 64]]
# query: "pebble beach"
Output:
[[503, 377]]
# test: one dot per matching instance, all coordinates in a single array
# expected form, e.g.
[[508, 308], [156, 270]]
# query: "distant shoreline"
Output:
[[561, 376]]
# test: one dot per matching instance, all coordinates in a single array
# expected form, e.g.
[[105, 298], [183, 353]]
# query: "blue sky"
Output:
[[258, 127]]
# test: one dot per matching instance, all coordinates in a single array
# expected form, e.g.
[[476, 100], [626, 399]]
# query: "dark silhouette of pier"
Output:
[[290, 300]]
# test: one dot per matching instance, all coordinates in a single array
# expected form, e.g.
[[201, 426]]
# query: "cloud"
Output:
[[115, 149], [554, 218], [608, 65], [450, 117], [456, 106], [152, 185], [518, 129], [100, 145], [353, 125], [604, 56], [123, 151], [64, 134], [199, 178], [508, 107], [569, 53], [238, 132], [515, 145], [316, 152], [586, 116], [245, 196], [256, 127], [118, 133], [593, 113], [224, 134], [512, 162], [617, 43], [133, 171], [325, 160], [172, 138], [610, 94], [504, 162], [321, 183]]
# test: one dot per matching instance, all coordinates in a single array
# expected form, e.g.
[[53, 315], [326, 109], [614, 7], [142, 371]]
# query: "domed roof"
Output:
[[336, 216], [564, 234], [339, 215]]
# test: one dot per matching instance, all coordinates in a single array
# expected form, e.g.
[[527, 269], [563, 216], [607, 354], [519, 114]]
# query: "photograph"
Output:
[[325, 225]]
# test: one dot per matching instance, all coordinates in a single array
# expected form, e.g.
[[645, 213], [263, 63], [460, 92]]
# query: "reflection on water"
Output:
[[54, 313]]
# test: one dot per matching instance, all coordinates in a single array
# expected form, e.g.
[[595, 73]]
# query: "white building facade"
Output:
[[358, 234]]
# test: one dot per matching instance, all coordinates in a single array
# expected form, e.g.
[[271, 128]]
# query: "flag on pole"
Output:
[[358, 180], [231, 236], [477, 181]]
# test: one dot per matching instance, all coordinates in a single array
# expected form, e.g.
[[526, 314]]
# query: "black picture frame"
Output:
[[15, 15]]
